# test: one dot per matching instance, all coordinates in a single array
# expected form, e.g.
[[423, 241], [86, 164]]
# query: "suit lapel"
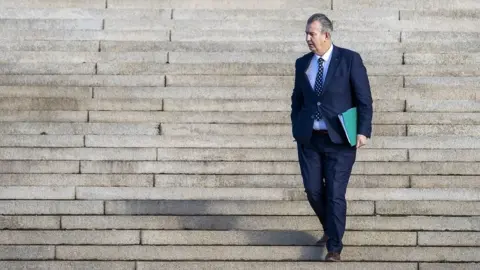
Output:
[[334, 61]]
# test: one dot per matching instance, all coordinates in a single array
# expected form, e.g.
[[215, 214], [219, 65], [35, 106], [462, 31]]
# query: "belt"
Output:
[[321, 131]]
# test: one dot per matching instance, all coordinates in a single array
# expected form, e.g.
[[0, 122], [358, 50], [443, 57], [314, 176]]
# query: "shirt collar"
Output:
[[327, 55]]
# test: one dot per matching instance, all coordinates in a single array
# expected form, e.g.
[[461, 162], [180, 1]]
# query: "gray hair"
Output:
[[327, 26]]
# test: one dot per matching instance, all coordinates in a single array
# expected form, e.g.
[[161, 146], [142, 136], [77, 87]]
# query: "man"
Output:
[[328, 81]]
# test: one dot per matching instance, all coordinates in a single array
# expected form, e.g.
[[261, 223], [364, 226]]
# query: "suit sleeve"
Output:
[[297, 97], [362, 95]]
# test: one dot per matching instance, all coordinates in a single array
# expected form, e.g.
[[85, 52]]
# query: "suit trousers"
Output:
[[326, 168]]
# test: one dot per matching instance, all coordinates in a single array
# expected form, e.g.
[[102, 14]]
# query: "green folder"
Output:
[[349, 124]]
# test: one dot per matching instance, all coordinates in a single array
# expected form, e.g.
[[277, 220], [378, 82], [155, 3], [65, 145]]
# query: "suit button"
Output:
[[319, 103]]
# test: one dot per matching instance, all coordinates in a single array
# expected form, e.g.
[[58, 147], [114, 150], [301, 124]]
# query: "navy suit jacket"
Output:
[[346, 85]]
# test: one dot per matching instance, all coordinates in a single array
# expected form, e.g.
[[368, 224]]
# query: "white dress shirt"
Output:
[[312, 75]]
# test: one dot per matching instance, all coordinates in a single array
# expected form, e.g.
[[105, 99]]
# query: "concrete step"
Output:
[[275, 238], [443, 155], [84, 13], [442, 59], [37, 193], [282, 81], [385, 118], [218, 4], [143, 193], [47, 69], [41, 24], [96, 35], [39, 166], [430, 181], [79, 154], [276, 105], [44, 116], [442, 82], [406, 4], [70, 237], [202, 265], [284, 69], [299, 223], [442, 106], [50, 45], [264, 208], [244, 141], [260, 253], [264, 129], [100, 180], [59, 104], [296, 35], [70, 265], [52, 4], [285, 181], [27, 252], [82, 57], [253, 92], [445, 266], [51, 207], [284, 46], [439, 14], [52, 128], [50, 92], [81, 80], [41, 141], [431, 208], [206, 154], [438, 37], [281, 14], [202, 167]]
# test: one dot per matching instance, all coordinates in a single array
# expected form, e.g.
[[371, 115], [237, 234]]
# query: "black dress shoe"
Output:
[[332, 257], [322, 241]]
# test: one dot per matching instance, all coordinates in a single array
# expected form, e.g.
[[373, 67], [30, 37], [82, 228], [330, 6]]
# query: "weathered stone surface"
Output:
[[449, 239], [443, 106], [442, 82], [442, 59], [274, 265], [281, 14], [52, 4], [263, 253], [38, 92], [224, 208], [69, 237], [82, 80], [438, 14], [46, 68], [365, 4], [50, 45], [426, 181], [31, 207], [29, 222], [219, 4], [91, 180], [439, 37], [48, 166], [269, 223], [41, 141], [437, 130], [44, 116], [449, 266], [51, 24], [45, 193], [78, 154], [274, 238], [444, 155], [58, 104], [265, 181], [85, 35], [451, 208], [86, 13], [83, 57], [27, 252], [52, 128], [68, 265]]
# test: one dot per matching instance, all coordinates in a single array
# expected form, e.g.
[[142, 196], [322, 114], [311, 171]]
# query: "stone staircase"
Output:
[[155, 134]]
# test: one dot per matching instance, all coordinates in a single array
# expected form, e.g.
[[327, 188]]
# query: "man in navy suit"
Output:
[[328, 81]]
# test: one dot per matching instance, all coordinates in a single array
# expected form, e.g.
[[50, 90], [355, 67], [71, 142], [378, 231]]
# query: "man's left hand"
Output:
[[361, 140]]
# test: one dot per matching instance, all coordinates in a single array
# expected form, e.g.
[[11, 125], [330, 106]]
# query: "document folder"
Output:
[[349, 124]]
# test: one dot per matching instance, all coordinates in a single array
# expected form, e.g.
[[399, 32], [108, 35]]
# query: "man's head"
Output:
[[318, 33]]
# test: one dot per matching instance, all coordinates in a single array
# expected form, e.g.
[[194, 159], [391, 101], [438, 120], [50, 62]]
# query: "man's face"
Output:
[[314, 37]]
